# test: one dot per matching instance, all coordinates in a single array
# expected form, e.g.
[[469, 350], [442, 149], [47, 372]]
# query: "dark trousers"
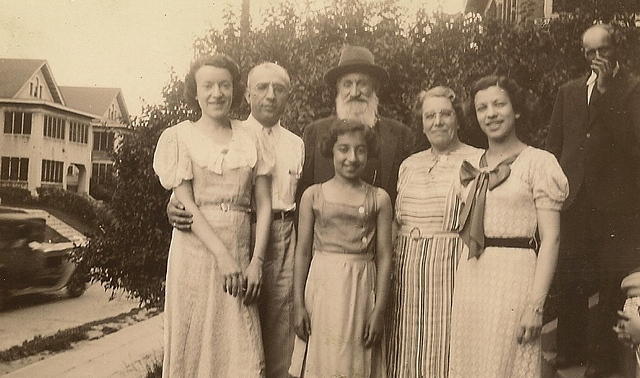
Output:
[[597, 249], [574, 277]]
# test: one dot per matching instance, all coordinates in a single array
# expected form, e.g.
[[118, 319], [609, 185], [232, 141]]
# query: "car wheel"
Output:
[[77, 285]]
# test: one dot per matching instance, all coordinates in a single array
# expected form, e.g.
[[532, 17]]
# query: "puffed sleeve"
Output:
[[266, 159], [550, 185], [171, 160]]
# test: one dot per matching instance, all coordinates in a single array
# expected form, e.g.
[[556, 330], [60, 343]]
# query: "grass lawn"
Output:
[[64, 339]]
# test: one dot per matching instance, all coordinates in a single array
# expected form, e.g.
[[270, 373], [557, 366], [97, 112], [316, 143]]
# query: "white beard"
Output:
[[363, 112]]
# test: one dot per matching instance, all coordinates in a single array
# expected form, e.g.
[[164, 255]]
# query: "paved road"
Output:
[[28, 316]]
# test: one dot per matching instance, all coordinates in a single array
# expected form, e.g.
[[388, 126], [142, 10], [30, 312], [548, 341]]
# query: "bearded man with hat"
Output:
[[357, 80]]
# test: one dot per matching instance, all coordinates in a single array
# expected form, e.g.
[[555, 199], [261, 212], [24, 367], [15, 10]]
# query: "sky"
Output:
[[128, 44]]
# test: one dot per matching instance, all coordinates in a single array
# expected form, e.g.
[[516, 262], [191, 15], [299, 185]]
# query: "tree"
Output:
[[245, 20], [130, 250]]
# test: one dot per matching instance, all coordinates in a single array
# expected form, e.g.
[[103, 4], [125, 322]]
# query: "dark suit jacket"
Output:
[[397, 142], [598, 145]]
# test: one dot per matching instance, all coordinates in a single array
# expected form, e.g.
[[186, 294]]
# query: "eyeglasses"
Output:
[[442, 113], [278, 89], [601, 51]]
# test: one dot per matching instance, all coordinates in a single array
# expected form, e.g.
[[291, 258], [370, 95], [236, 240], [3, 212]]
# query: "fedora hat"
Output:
[[355, 59]]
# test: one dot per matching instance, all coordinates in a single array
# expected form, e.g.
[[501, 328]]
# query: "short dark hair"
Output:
[[521, 101], [220, 61], [344, 126]]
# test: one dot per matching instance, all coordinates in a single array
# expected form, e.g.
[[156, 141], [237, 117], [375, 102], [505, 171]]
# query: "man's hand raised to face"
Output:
[[604, 69]]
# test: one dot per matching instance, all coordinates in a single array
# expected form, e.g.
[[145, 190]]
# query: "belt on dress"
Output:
[[276, 215], [227, 206], [524, 243], [416, 234]]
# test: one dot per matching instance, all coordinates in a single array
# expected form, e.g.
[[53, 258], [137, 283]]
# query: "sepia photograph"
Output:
[[320, 188]]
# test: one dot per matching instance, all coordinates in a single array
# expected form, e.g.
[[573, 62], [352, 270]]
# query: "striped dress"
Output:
[[426, 253]]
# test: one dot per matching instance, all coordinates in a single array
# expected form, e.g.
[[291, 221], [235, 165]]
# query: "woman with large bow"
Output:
[[503, 276], [427, 247]]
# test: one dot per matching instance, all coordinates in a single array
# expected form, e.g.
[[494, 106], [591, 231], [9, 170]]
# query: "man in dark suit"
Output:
[[357, 80], [595, 134]]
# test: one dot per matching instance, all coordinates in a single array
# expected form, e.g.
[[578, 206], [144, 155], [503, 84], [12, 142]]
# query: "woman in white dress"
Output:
[[211, 326], [502, 283]]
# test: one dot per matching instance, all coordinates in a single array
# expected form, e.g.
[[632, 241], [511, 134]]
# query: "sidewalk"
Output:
[[44, 315], [126, 353], [74, 236]]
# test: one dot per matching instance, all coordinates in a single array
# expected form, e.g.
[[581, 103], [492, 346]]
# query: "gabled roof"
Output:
[[95, 100], [476, 6], [14, 74]]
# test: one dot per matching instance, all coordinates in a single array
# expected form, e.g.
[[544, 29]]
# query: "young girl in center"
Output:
[[342, 264]]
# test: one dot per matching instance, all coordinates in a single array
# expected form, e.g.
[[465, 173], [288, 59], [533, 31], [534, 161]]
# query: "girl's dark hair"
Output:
[[344, 126], [522, 102], [220, 61]]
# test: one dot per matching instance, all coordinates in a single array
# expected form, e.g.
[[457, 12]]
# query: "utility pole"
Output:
[[245, 20]]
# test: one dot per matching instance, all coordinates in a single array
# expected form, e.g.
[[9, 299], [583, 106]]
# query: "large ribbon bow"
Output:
[[472, 214]]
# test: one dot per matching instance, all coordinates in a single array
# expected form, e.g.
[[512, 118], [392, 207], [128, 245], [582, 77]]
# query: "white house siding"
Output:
[[37, 147]]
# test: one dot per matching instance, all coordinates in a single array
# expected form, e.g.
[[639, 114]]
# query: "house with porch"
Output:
[[109, 123], [46, 140]]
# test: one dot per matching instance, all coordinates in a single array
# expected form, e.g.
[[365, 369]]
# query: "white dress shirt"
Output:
[[288, 150], [591, 81]]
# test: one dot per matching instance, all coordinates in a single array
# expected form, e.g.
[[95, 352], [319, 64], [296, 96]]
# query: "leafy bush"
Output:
[[84, 213], [82, 207], [131, 250], [102, 191], [418, 54], [15, 196]]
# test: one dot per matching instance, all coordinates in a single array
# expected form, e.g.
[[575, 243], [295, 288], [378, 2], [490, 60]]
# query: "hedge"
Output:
[[15, 196], [131, 251]]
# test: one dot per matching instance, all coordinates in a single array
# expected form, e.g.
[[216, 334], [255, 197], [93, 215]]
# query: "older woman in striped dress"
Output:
[[427, 247]]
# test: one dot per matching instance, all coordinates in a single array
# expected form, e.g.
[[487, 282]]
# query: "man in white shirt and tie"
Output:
[[267, 94]]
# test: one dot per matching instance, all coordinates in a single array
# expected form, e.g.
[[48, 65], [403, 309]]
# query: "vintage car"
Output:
[[29, 263]]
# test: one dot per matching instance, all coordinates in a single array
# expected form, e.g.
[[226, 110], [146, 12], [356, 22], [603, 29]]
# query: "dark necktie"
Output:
[[595, 95]]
